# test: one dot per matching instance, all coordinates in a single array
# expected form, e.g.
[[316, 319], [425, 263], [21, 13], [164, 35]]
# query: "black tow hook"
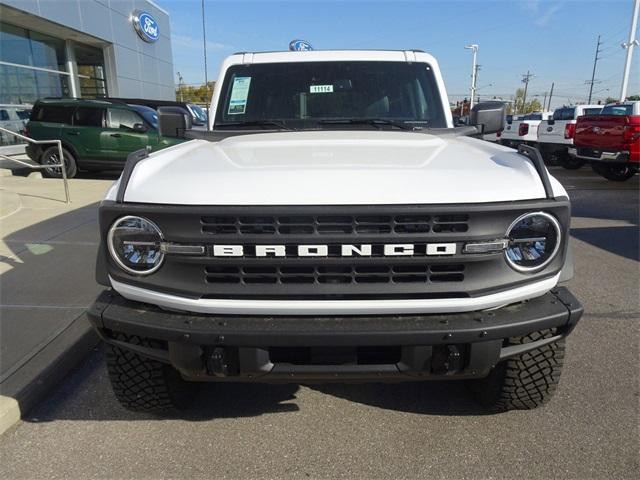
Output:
[[223, 362], [447, 360], [217, 364]]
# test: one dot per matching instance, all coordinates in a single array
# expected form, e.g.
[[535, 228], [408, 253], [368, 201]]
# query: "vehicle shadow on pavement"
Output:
[[449, 398], [86, 395], [618, 205], [622, 241]]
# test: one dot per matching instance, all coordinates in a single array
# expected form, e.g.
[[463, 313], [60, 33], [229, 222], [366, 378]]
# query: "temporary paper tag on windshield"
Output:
[[321, 89], [239, 95]]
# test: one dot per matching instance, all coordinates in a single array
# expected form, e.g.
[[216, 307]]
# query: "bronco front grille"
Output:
[[333, 224], [335, 274], [331, 274]]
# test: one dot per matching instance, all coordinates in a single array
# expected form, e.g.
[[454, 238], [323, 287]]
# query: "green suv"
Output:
[[95, 134]]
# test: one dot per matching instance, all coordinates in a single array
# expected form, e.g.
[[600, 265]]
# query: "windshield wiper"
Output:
[[376, 122], [255, 123]]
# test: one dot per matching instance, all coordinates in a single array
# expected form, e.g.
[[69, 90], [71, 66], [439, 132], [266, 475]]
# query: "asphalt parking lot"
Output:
[[432, 430]]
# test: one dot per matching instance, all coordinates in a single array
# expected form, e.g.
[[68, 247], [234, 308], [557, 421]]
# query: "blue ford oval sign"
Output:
[[146, 26], [300, 46]]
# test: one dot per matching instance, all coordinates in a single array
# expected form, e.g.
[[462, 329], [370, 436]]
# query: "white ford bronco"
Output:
[[334, 226]]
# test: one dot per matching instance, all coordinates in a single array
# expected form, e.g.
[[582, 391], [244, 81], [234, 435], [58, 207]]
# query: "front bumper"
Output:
[[333, 348]]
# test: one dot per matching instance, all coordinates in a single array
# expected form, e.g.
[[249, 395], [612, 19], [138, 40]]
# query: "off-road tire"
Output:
[[523, 382], [615, 173], [145, 385], [50, 155], [569, 162]]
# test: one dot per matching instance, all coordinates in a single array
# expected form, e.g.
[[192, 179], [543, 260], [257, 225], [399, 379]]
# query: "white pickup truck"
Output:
[[334, 225], [523, 130], [555, 135]]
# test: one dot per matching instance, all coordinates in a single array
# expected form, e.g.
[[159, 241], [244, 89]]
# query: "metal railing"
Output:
[[60, 165]]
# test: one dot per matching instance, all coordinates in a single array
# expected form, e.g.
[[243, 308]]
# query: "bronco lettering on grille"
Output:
[[343, 250]]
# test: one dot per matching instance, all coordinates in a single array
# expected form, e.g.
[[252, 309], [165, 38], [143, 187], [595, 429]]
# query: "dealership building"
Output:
[[84, 49]]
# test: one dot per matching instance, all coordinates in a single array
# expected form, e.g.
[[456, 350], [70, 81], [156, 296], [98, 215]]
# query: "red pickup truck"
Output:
[[610, 141]]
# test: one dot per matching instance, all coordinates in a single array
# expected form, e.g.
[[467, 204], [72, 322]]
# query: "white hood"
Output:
[[335, 168]]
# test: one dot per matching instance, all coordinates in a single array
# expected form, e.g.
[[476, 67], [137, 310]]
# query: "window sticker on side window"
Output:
[[321, 89], [239, 95]]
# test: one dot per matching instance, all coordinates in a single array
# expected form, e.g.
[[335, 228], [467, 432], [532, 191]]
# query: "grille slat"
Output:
[[348, 225], [336, 274]]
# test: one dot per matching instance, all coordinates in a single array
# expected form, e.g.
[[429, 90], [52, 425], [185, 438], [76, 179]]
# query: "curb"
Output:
[[28, 385]]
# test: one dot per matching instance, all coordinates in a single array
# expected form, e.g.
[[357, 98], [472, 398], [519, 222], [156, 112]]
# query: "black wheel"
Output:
[[145, 385], [569, 162], [617, 172], [51, 157], [523, 382]]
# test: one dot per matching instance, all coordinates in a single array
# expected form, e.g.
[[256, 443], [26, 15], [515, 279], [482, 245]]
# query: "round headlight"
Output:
[[534, 239], [134, 244]]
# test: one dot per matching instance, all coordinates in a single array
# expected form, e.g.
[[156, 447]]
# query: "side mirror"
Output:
[[173, 121], [140, 128], [489, 117], [551, 121]]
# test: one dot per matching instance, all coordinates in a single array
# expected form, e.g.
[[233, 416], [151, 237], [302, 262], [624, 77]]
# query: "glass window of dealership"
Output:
[[34, 65]]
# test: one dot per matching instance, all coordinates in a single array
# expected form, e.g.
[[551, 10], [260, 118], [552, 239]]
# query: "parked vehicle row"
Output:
[[610, 141], [523, 129], [607, 137]]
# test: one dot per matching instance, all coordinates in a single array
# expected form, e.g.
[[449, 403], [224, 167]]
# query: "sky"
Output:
[[553, 40]]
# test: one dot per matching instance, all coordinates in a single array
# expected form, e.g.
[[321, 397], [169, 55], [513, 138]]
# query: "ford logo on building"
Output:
[[300, 46], [146, 26]]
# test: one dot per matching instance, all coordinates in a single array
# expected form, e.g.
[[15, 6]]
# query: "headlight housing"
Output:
[[135, 245], [534, 240]]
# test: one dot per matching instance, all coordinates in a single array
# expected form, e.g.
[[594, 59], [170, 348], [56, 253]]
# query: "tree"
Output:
[[531, 106], [534, 106], [194, 94]]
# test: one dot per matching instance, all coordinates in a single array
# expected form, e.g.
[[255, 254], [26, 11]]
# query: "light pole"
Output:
[[180, 79], [474, 48], [629, 47], [206, 78]]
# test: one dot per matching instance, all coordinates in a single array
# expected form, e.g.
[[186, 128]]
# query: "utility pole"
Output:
[[206, 78], [629, 47], [525, 79], [550, 95], [474, 72], [593, 74]]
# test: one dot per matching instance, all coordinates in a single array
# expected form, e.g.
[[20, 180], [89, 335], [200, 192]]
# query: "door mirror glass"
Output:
[[173, 122], [489, 117], [140, 127]]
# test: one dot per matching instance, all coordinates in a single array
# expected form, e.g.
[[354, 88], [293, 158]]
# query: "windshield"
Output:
[[308, 94], [148, 113], [564, 114], [199, 112], [592, 111], [618, 110]]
